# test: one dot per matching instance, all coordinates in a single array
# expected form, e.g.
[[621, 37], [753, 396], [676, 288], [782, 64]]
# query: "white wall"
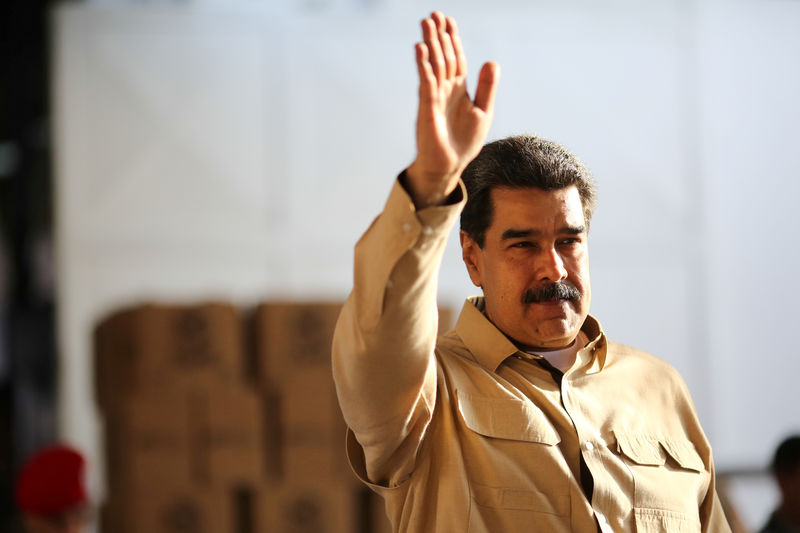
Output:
[[750, 115], [233, 151]]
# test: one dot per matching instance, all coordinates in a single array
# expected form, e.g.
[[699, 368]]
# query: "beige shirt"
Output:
[[465, 433]]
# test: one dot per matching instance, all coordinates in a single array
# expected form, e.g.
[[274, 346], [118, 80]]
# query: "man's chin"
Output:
[[557, 332]]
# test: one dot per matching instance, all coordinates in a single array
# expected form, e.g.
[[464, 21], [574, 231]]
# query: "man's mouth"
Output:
[[551, 292]]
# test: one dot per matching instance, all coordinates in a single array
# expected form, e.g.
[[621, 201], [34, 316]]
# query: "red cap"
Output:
[[52, 481]]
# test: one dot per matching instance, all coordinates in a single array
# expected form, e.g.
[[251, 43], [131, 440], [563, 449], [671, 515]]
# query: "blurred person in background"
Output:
[[51, 492], [786, 469]]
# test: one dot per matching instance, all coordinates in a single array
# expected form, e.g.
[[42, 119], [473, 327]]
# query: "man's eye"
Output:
[[570, 241], [522, 244]]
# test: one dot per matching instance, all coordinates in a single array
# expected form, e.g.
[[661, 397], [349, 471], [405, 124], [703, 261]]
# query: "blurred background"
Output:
[[186, 152]]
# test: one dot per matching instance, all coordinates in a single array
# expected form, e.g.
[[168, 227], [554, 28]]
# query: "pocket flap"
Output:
[[684, 453], [641, 448], [506, 418], [647, 449]]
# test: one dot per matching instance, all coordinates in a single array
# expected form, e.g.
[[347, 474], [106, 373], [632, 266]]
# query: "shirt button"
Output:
[[427, 230], [406, 227], [589, 447], [389, 284]]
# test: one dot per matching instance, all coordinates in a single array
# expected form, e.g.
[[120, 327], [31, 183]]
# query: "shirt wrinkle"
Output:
[[402, 418]]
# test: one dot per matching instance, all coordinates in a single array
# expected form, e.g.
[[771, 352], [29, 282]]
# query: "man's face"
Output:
[[534, 265]]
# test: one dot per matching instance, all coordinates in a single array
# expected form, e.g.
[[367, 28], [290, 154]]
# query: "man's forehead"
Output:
[[535, 201]]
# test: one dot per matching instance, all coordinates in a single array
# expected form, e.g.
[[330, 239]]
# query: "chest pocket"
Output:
[[512, 465], [506, 418], [669, 480]]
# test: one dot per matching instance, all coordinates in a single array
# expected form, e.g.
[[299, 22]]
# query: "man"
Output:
[[524, 417], [51, 492], [786, 469]]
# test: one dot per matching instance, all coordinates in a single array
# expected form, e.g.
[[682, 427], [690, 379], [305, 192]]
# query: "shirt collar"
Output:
[[490, 346]]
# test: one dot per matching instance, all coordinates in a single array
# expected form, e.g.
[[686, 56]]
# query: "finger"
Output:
[[431, 37], [487, 86], [458, 50], [427, 80], [439, 19], [448, 51]]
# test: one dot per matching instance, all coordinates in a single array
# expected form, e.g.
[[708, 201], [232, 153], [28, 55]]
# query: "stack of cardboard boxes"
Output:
[[215, 424], [317, 492], [184, 431]]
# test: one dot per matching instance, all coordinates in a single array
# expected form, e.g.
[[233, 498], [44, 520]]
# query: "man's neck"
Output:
[[562, 358]]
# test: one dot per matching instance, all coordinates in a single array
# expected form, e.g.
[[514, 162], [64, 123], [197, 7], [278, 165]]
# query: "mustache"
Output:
[[550, 292]]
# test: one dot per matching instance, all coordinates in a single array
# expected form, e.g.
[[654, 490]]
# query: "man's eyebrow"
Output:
[[513, 233], [573, 230]]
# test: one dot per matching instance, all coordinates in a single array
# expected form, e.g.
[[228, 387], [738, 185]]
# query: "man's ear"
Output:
[[472, 255]]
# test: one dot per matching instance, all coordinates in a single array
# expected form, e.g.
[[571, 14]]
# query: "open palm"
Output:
[[451, 127]]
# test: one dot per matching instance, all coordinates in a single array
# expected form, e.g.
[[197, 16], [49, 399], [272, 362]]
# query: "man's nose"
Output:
[[551, 266]]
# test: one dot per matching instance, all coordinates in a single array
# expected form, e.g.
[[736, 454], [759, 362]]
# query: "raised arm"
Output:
[[383, 348], [451, 127]]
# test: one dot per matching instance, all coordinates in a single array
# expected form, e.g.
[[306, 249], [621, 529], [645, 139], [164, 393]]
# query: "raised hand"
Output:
[[451, 127]]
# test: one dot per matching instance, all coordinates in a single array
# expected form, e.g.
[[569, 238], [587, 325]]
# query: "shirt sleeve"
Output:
[[383, 362], [712, 516]]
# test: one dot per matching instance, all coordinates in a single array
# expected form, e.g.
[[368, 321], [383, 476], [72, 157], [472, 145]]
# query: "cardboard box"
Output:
[[290, 337], [230, 436], [174, 509], [156, 345], [202, 436], [312, 428], [149, 442], [308, 508]]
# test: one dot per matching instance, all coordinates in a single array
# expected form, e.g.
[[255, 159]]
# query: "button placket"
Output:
[[590, 442], [605, 527]]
